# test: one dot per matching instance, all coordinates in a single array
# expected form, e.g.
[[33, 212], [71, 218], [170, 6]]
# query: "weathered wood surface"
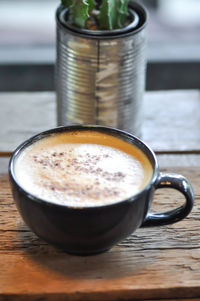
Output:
[[171, 119], [153, 263], [22, 115]]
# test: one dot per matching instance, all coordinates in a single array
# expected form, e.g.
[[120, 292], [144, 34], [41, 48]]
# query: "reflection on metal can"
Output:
[[100, 75]]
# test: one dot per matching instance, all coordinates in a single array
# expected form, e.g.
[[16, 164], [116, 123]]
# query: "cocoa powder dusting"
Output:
[[83, 165]]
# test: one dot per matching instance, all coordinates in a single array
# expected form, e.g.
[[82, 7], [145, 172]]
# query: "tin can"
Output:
[[100, 75]]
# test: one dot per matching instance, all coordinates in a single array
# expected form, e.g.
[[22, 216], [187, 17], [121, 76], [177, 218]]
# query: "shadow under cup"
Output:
[[91, 230]]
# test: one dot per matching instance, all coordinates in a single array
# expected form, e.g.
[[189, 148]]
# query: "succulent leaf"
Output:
[[91, 4], [108, 14], [79, 12], [67, 3], [122, 13], [112, 13]]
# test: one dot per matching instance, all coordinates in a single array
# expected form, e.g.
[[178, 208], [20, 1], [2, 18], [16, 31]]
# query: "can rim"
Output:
[[137, 12]]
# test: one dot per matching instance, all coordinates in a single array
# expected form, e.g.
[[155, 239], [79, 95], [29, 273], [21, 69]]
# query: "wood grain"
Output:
[[154, 263], [4, 164], [172, 120], [23, 115], [170, 123]]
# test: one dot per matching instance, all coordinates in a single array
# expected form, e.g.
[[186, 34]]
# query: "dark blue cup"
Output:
[[92, 230]]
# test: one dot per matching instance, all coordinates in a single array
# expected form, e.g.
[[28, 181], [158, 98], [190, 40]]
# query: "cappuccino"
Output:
[[82, 168]]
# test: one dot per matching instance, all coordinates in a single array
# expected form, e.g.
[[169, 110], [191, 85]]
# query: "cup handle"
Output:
[[180, 183]]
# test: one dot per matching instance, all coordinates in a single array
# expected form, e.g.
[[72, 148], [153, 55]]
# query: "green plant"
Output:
[[91, 14]]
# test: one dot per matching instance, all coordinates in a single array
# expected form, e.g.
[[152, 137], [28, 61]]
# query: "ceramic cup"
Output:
[[91, 230]]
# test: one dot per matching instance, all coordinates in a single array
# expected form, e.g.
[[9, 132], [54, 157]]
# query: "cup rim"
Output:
[[108, 130]]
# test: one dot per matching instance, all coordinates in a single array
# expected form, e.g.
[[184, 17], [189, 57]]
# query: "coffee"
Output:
[[82, 169]]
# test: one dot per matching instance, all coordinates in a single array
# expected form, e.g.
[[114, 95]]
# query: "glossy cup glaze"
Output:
[[91, 230]]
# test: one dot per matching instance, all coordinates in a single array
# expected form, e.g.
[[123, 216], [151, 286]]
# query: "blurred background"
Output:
[[28, 34]]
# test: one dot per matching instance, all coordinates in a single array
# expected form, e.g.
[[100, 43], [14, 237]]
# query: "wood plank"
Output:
[[178, 160], [166, 51], [22, 115], [154, 263], [171, 119], [4, 165]]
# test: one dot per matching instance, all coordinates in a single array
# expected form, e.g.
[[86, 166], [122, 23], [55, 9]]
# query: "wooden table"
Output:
[[152, 264]]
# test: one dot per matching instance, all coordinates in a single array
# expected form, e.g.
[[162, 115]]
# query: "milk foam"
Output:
[[77, 174]]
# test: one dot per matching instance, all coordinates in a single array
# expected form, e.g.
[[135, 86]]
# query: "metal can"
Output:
[[100, 75]]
